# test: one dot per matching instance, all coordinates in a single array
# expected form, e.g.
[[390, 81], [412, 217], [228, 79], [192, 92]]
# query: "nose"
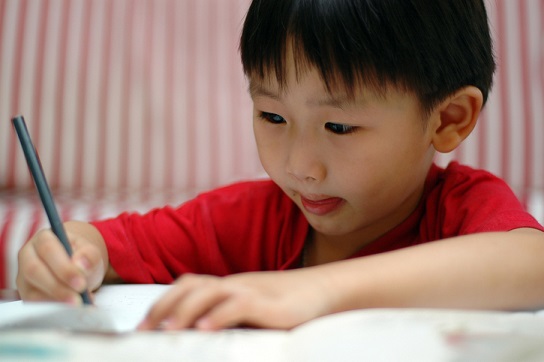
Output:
[[305, 161]]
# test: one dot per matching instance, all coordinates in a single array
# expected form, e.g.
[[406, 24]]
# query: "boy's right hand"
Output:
[[46, 272]]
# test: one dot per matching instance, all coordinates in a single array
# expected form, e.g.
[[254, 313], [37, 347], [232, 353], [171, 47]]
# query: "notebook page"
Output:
[[368, 334], [118, 308], [127, 304], [51, 315]]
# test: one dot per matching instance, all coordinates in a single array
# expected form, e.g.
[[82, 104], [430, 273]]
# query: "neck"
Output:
[[322, 249]]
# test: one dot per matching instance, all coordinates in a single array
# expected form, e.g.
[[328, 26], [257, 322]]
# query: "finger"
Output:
[[36, 282], [52, 253], [89, 260], [231, 313], [195, 304], [161, 309], [255, 309], [244, 309], [163, 313]]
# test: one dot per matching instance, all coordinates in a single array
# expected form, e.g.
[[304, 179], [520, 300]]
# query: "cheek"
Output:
[[406, 146], [405, 166], [389, 165], [267, 147], [262, 140]]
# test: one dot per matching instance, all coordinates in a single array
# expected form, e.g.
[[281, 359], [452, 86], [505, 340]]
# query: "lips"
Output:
[[321, 206]]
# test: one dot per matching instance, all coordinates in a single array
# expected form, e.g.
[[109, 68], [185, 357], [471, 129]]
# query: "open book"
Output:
[[373, 334]]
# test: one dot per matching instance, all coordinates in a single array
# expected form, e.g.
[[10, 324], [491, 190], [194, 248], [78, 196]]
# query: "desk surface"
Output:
[[388, 336], [373, 335]]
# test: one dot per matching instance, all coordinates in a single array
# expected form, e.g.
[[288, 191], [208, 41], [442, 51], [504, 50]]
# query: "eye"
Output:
[[338, 128], [272, 117]]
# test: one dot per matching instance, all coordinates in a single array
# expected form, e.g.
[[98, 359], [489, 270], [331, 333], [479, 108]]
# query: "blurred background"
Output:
[[134, 104]]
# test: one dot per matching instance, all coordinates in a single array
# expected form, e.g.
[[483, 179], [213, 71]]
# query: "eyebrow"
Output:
[[338, 102], [257, 90]]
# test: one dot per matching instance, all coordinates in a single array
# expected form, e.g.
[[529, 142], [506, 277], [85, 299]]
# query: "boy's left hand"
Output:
[[280, 300]]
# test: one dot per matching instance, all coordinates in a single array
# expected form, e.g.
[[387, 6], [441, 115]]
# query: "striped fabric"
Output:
[[124, 97], [130, 94], [138, 103]]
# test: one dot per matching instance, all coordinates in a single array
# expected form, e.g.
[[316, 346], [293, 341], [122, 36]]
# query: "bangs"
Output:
[[325, 35], [426, 47]]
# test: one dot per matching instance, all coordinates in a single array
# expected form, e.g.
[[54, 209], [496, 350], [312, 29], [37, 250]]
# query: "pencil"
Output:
[[44, 191]]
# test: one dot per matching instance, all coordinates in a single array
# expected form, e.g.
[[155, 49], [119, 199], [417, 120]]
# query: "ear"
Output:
[[456, 117]]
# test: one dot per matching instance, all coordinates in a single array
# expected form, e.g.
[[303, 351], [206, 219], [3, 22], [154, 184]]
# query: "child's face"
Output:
[[353, 167]]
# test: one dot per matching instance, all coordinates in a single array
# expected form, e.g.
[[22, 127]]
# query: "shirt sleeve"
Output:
[[473, 201], [242, 227], [153, 247]]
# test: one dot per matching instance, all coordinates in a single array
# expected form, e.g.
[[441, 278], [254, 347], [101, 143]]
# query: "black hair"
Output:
[[429, 47]]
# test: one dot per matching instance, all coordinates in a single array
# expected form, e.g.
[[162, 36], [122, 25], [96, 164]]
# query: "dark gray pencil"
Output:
[[44, 191]]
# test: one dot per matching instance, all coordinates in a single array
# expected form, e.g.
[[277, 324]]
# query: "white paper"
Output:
[[117, 308], [374, 335], [128, 304]]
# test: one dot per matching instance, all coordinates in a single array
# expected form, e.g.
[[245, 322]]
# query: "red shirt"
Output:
[[251, 226]]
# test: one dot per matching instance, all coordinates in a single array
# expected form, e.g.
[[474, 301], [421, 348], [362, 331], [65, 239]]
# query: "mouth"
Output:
[[321, 206]]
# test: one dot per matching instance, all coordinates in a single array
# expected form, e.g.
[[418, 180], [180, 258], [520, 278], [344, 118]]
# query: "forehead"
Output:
[[311, 86], [294, 65], [311, 90], [296, 70], [313, 95]]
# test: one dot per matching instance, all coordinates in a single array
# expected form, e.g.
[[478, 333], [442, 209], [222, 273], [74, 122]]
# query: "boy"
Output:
[[351, 100]]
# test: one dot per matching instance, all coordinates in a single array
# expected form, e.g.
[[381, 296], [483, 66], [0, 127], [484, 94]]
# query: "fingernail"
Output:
[[143, 325], [82, 263], [78, 283], [75, 300], [168, 324], [204, 324]]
